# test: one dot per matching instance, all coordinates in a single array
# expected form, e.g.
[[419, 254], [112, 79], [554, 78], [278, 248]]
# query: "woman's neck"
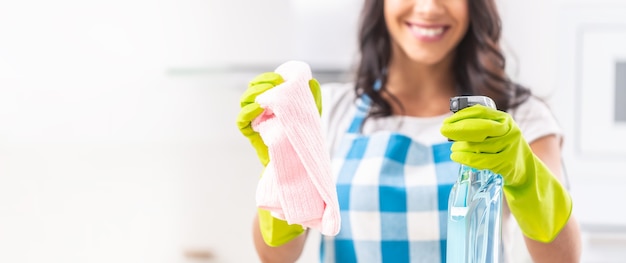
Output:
[[423, 90]]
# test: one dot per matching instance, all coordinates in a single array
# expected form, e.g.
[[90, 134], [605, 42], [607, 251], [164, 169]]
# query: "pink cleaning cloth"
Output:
[[297, 184]]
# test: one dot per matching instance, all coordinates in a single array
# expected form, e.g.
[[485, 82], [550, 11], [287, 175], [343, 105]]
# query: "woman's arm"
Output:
[[567, 245], [287, 253]]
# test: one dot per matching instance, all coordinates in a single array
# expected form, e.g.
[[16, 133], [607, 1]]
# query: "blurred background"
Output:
[[117, 118]]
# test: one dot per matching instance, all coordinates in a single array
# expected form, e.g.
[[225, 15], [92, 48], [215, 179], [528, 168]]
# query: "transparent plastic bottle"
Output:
[[474, 208]]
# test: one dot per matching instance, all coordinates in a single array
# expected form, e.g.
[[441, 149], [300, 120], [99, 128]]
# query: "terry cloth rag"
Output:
[[297, 184]]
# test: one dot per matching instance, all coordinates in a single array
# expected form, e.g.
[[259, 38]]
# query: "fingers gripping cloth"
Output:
[[297, 184]]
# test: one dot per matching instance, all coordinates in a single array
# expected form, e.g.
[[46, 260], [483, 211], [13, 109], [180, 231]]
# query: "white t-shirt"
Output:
[[533, 117]]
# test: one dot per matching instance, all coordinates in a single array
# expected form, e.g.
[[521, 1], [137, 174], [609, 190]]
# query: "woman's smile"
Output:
[[428, 33]]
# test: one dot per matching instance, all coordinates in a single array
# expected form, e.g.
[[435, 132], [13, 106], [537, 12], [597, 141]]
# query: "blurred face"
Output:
[[426, 31]]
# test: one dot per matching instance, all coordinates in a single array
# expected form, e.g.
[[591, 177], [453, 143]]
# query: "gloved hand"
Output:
[[275, 232], [250, 109], [486, 138]]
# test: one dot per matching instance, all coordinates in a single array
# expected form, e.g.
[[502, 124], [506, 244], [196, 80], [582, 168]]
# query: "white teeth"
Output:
[[428, 32]]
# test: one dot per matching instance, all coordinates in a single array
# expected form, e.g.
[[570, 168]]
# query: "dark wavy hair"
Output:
[[479, 62]]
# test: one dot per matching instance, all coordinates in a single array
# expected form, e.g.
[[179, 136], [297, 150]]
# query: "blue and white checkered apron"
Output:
[[393, 195]]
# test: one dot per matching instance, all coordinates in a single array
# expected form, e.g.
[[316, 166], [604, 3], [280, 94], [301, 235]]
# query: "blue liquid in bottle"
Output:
[[474, 207], [474, 217]]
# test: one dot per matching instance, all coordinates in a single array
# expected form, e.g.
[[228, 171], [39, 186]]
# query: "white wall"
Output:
[[104, 155]]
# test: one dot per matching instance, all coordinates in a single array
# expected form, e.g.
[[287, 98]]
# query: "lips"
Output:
[[428, 32]]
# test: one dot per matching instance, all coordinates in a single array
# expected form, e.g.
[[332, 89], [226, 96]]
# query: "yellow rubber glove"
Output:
[[486, 138], [250, 109], [275, 232]]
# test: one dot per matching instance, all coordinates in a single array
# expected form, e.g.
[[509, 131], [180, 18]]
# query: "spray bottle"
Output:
[[474, 207]]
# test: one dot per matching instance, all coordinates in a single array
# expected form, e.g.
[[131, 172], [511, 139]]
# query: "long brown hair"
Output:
[[479, 62]]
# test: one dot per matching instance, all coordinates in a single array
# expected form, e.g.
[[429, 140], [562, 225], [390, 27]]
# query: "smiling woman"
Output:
[[393, 165], [110, 152]]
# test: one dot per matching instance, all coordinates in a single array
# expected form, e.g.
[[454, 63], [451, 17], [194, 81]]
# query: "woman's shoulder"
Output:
[[531, 109], [535, 118], [337, 97], [338, 101], [334, 91]]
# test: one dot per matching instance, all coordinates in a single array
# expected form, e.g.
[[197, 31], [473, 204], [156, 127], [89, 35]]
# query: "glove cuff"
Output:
[[277, 232], [541, 206]]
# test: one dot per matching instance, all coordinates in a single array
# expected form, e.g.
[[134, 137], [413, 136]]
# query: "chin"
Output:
[[430, 60]]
